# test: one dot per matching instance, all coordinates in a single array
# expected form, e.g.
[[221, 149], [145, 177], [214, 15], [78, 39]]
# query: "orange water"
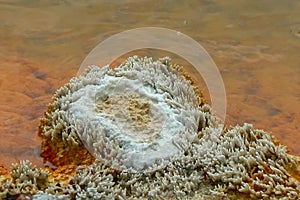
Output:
[[255, 44]]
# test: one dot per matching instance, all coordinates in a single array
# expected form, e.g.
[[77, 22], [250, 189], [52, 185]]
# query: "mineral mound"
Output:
[[141, 130]]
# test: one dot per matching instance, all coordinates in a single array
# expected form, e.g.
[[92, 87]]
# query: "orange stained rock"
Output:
[[59, 154], [3, 170], [62, 174]]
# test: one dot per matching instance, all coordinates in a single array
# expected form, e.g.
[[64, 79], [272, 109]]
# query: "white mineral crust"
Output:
[[105, 123]]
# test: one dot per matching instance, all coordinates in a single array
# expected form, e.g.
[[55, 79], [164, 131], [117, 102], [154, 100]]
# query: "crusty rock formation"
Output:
[[134, 116], [24, 179], [185, 152]]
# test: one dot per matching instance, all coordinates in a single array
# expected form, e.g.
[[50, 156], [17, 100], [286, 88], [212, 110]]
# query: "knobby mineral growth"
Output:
[[142, 131]]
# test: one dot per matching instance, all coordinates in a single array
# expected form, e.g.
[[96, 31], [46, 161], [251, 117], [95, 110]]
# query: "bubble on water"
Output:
[[295, 30]]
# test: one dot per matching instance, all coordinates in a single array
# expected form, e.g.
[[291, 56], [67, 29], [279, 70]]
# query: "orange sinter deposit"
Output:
[[142, 131]]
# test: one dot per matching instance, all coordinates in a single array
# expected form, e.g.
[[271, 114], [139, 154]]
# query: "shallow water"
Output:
[[255, 44]]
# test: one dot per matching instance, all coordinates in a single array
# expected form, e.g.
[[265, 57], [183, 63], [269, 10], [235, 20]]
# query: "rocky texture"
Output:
[[221, 163], [239, 163], [134, 116], [246, 160], [24, 179]]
